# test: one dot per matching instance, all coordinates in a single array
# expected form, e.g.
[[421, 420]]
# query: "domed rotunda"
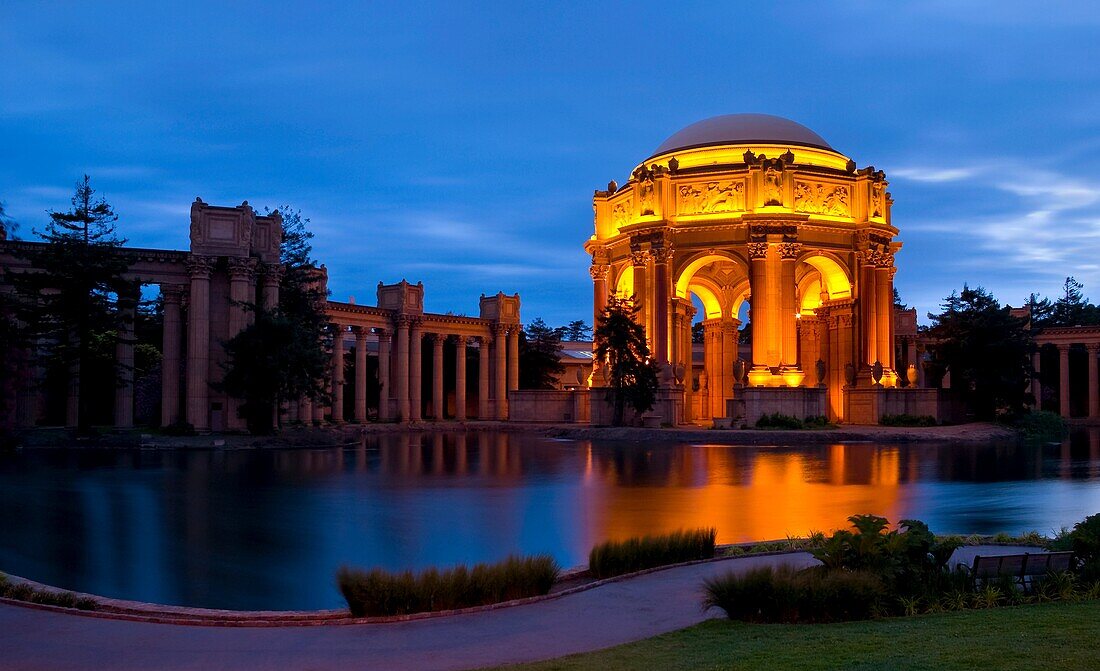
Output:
[[759, 209]]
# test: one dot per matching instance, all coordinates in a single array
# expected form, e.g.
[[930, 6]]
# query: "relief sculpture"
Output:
[[620, 215], [712, 197], [817, 198]]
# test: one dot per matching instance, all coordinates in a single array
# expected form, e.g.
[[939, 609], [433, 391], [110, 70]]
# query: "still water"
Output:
[[260, 529]]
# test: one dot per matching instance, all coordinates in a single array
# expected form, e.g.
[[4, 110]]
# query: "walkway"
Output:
[[609, 615]]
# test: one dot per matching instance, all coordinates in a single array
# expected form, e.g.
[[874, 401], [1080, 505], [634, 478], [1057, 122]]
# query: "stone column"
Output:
[[788, 257], [361, 373], [401, 375], [272, 274], [484, 410], [1094, 393], [242, 272], [1036, 383], [640, 261], [660, 309], [198, 342], [867, 312], [500, 385], [460, 378], [712, 365], [513, 358], [415, 375], [884, 294], [758, 289], [124, 357], [305, 410], [437, 375], [1063, 381], [171, 297], [383, 375], [338, 372], [599, 273]]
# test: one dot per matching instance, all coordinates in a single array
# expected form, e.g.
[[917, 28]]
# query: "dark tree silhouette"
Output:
[[621, 345]]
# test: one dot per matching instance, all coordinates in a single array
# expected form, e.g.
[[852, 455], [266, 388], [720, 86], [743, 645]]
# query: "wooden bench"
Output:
[[1024, 569]]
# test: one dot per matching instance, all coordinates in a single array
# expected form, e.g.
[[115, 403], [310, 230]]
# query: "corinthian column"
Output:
[[338, 372], [484, 409], [868, 308], [641, 292], [242, 272], [361, 373], [513, 358], [1063, 381], [401, 375], [171, 296], [460, 378], [437, 375], [415, 376], [273, 272], [884, 328], [661, 257], [383, 375], [198, 343], [788, 255], [124, 357], [758, 305], [599, 273], [500, 348]]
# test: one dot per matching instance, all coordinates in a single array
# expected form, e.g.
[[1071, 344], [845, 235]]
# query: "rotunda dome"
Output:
[[742, 129]]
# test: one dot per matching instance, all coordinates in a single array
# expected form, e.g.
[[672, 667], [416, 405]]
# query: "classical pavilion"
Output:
[[759, 210]]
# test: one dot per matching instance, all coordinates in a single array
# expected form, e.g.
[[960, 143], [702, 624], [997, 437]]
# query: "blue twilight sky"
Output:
[[459, 143]]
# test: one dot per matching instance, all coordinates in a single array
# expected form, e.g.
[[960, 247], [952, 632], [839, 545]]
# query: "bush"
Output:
[[1040, 426], [24, 592], [779, 421], [378, 592], [907, 420], [636, 554], [783, 594], [1084, 540]]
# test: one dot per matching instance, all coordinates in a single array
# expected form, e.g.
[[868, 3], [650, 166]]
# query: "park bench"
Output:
[[1024, 569]]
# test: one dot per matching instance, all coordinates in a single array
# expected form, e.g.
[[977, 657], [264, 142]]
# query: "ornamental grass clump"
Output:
[[24, 592], [784, 594], [637, 554], [378, 593]]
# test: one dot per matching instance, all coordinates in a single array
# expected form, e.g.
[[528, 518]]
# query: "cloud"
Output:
[[928, 174]]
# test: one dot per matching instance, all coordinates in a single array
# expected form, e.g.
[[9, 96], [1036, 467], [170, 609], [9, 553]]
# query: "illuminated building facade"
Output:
[[759, 210]]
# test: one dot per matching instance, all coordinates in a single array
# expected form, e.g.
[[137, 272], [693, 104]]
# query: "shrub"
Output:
[[779, 421], [636, 554], [783, 594], [378, 592], [907, 420], [24, 592], [1040, 426], [1084, 540]]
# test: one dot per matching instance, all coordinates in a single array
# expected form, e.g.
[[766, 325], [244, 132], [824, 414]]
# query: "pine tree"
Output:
[[577, 330], [987, 350], [69, 300], [539, 356], [1072, 308], [621, 345], [281, 356]]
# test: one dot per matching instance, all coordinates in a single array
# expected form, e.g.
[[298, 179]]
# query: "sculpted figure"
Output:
[[773, 186]]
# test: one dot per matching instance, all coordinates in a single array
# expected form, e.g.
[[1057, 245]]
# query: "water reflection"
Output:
[[266, 529]]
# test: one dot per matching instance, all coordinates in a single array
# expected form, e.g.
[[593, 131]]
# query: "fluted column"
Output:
[[513, 358], [500, 349], [1094, 394], [1063, 380], [788, 257], [1036, 383], [484, 409], [124, 357], [273, 272], [242, 273], [361, 373], [758, 289], [599, 273], [884, 329], [460, 378], [338, 372], [437, 375], [640, 260], [198, 343], [383, 375], [171, 297], [401, 375], [416, 360], [867, 310], [661, 256]]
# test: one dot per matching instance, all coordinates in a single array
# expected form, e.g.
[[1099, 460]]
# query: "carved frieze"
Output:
[[711, 197], [819, 198], [621, 213]]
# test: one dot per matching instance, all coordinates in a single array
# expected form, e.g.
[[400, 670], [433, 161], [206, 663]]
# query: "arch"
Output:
[[624, 285], [740, 294], [701, 260], [834, 276], [712, 305]]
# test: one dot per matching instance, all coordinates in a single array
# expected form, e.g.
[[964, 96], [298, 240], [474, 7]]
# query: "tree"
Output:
[[577, 330], [1072, 308], [898, 305], [69, 299], [539, 356], [621, 345], [987, 350], [1040, 310], [7, 224], [281, 356], [698, 336]]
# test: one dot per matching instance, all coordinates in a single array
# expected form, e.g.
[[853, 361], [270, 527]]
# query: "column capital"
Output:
[[599, 271], [200, 267], [757, 250], [498, 329], [172, 293], [273, 272], [1093, 347], [361, 333], [242, 268], [639, 258], [460, 340], [662, 254], [436, 338], [789, 251], [383, 334]]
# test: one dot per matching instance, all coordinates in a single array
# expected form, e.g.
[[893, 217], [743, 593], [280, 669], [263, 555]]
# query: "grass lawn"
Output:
[[1029, 638]]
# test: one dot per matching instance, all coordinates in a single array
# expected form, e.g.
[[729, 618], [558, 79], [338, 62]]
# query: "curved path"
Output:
[[602, 617]]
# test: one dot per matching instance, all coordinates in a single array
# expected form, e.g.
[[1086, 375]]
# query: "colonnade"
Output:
[[1062, 339], [400, 358]]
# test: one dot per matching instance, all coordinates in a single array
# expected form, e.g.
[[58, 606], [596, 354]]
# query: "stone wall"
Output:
[[752, 403], [867, 405], [537, 405]]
